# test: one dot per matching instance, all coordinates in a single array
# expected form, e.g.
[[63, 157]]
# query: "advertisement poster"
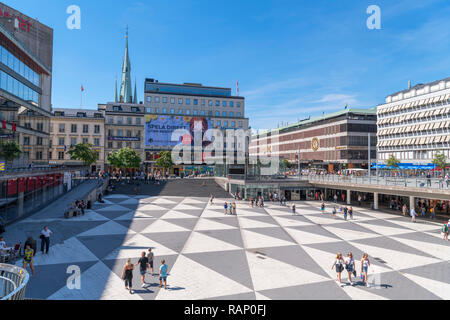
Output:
[[159, 129]]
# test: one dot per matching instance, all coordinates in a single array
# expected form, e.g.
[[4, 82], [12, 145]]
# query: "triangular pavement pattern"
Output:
[[107, 228], [163, 226], [254, 240], [199, 242], [208, 224]]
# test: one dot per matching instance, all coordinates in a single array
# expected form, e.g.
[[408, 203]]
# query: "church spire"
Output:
[[135, 91], [125, 85]]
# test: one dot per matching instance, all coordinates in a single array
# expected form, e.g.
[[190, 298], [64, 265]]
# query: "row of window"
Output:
[[27, 141], [74, 141], [137, 121], [17, 88], [413, 155], [194, 112], [119, 133], [7, 58], [195, 102], [62, 155], [74, 128], [120, 144]]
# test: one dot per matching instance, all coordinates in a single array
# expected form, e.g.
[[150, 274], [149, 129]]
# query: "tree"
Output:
[[440, 160], [286, 163], [392, 161], [83, 152], [164, 160], [124, 158], [10, 150]]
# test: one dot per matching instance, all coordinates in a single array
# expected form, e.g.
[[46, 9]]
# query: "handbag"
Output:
[[354, 273], [41, 237]]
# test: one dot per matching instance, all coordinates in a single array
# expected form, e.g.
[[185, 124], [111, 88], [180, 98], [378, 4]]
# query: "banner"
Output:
[[159, 129]]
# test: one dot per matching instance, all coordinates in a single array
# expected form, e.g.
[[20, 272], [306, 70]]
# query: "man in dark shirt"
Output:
[[143, 266]]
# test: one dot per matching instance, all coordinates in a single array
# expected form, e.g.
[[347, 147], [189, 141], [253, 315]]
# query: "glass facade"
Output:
[[8, 59], [17, 88], [180, 89]]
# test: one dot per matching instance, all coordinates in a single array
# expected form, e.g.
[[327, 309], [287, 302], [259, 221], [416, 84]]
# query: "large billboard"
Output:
[[160, 128]]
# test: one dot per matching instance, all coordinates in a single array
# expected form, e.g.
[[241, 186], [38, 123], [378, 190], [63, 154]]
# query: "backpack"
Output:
[[445, 228]]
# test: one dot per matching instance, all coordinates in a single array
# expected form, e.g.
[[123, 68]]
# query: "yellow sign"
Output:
[[315, 144], [2, 166]]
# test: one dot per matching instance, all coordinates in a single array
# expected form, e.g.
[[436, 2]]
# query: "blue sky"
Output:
[[293, 58]]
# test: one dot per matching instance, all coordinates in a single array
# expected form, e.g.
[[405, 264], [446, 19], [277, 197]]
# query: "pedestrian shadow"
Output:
[[175, 288]]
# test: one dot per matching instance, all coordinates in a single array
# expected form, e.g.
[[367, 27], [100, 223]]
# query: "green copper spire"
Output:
[[125, 85], [115, 92], [135, 91]]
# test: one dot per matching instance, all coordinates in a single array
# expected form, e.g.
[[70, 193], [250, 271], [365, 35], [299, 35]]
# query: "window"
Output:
[[210, 103], [111, 120], [110, 145], [117, 108], [172, 100], [217, 113], [195, 112], [73, 141], [97, 142], [225, 123], [217, 103], [238, 114], [96, 128], [128, 133], [26, 141], [180, 101], [180, 111], [157, 99], [231, 104], [188, 111], [233, 124], [195, 102], [120, 133], [203, 102], [62, 127], [85, 140], [218, 123], [224, 114], [85, 128], [156, 110], [224, 103], [138, 120], [172, 110], [165, 110], [39, 141], [40, 126], [148, 110], [27, 125], [231, 114], [60, 155], [188, 101], [135, 109], [128, 144], [119, 144], [50, 155], [138, 145], [202, 112], [119, 120], [164, 99], [61, 141], [129, 120], [238, 104], [149, 99]]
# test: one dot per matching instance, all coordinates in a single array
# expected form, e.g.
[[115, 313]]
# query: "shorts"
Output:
[[143, 272], [27, 261], [339, 268], [349, 268], [151, 263], [364, 269], [163, 278]]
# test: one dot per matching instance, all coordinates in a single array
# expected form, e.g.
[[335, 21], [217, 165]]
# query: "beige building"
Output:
[[124, 127], [69, 127], [34, 140]]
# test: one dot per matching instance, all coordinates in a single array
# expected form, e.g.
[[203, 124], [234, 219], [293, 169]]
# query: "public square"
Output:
[[261, 253]]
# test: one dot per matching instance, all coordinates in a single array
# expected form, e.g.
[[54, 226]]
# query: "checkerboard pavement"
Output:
[[260, 253]]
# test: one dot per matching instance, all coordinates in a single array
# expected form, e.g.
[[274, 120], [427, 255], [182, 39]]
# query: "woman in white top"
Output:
[[339, 264], [350, 266], [365, 264]]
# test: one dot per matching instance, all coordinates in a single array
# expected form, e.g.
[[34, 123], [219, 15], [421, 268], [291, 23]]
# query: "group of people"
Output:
[[348, 263], [259, 202], [230, 208], [145, 263], [78, 207]]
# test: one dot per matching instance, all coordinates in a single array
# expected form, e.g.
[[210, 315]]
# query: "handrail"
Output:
[[15, 280]]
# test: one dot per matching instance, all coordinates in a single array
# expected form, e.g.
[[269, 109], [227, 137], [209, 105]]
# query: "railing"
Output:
[[13, 282], [412, 182]]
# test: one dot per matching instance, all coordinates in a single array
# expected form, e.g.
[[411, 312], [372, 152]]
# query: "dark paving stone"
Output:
[[265, 219], [316, 229], [230, 236], [187, 223], [172, 240], [235, 297], [436, 271], [423, 237], [231, 264], [191, 212], [112, 214], [137, 224], [393, 285], [230, 221], [384, 223], [328, 290], [391, 244], [101, 246], [276, 232], [352, 227], [50, 278]]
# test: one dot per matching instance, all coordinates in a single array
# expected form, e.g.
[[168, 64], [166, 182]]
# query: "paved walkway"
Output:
[[262, 253]]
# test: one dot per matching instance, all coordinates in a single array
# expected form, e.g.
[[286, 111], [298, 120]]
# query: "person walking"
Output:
[[339, 265], [423, 212], [230, 208], [335, 198], [350, 267], [234, 208], [334, 212], [127, 275], [28, 254], [413, 215], [225, 206], [345, 212], [322, 207], [350, 213], [359, 200], [293, 208], [404, 210], [163, 274], [45, 239], [445, 231], [150, 256], [432, 213], [211, 200], [365, 264], [143, 266]]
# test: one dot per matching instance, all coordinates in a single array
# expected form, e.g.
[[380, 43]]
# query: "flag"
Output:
[[237, 87], [65, 148], [82, 89], [13, 127], [4, 124]]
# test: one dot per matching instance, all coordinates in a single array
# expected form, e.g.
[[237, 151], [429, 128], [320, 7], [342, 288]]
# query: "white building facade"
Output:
[[414, 124]]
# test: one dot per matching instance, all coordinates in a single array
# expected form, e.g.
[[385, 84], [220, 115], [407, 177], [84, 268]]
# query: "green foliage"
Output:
[[440, 160], [10, 150], [392, 161], [164, 160], [83, 152], [286, 163], [124, 158]]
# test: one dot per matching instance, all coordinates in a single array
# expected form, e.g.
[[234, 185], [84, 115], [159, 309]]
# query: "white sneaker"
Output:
[[143, 285]]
